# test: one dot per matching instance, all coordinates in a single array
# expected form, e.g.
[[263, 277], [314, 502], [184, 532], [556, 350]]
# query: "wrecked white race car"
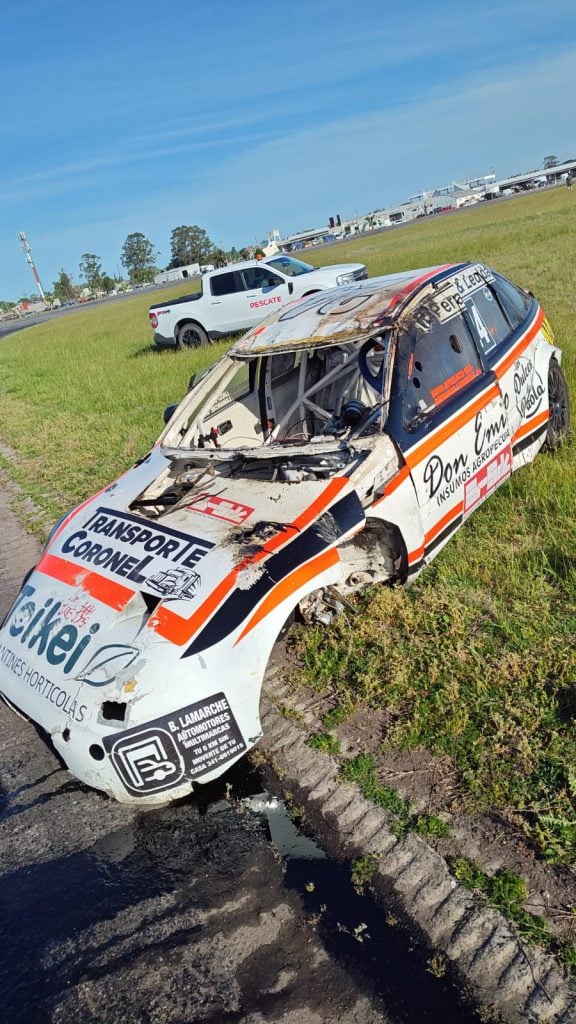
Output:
[[340, 443]]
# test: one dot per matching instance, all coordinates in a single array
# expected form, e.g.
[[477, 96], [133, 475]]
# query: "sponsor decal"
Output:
[[471, 280], [454, 383], [106, 663], [443, 309], [54, 694], [77, 612], [487, 479], [53, 631], [130, 548], [340, 306], [272, 300], [186, 744], [42, 629], [175, 584], [450, 298], [444, 477], [221, 508], [547, 331], [528, 388]]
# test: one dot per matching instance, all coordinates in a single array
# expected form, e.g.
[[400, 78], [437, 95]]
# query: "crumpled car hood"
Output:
[[188, 562]]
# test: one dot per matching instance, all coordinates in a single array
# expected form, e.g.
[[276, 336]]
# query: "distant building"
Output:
[[178, 274], [28, 306], [423, 204]]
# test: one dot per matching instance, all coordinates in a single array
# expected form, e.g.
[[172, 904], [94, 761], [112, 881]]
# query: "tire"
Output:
[[192, 336], [558, 405]]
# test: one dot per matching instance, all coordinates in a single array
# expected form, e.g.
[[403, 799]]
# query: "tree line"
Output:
[[188, 244]]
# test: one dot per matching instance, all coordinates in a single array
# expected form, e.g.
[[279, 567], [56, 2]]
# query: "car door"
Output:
[[264, 291], [228, 306], [450, 421], [507, 321]]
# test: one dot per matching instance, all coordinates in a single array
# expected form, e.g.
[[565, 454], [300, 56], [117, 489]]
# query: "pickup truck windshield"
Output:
[[289, 266]]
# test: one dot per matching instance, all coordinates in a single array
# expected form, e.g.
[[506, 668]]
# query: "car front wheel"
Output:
[[558, 406], [192, 336]]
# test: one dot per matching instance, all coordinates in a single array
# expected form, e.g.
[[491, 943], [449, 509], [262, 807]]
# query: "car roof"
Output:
[[337, 316]]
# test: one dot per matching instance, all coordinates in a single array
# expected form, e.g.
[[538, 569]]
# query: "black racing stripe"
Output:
[[445, 533], [529, 439], [332, 525], [416, 566]]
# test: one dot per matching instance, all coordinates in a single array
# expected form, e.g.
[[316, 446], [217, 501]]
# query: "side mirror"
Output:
[[169, 412], [290, 287], [191, 383]]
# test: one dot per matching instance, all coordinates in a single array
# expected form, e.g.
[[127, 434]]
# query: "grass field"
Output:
[[477, 661]]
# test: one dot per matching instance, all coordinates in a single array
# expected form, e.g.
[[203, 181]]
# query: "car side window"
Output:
[[436, 361], [224, 284], [259, 277], [487, 321], [515, 302]]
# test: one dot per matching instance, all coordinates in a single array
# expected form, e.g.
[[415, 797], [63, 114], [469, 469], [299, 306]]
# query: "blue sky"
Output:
[[241, 117]]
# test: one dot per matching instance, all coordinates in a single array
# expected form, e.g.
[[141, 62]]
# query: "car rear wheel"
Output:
[[192, 336], [558, 406]]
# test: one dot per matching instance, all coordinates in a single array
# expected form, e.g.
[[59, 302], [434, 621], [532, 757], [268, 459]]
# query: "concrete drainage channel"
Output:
[[521, 984], [413, 984]]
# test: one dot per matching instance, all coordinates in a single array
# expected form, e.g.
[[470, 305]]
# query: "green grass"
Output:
[[362, 770], [477, 661], [325, 742], [506, 892], [83, 397], [362, 871]]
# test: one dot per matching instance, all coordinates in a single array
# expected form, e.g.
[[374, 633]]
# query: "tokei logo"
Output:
[[58, 632], [221, 508], [487, 479]]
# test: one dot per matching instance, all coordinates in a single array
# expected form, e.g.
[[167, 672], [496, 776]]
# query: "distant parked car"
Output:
[[341, 443]]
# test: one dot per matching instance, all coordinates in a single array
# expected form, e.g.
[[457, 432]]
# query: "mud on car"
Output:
[[340, 443]]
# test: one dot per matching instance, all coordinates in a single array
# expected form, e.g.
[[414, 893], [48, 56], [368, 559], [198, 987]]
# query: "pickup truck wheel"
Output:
[[192, 336]]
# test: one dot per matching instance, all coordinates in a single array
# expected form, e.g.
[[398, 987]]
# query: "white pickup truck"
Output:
[[240, 295]]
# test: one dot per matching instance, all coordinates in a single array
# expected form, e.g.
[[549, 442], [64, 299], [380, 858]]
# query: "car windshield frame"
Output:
[[185, 436], [295, 268]]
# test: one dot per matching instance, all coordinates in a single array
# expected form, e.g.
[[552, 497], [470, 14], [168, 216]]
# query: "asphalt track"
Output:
[[8, 327]]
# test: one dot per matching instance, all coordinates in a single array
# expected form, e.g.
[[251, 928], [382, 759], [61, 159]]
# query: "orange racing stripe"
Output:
[[179, 630], [446, 519], [518, 349], [528, 427], [393, 484], [412, 285], [419, 453], [100, 587], [296, 579], [416, 555]]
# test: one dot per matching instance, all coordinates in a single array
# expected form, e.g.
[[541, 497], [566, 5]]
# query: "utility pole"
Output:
[[26, 249]]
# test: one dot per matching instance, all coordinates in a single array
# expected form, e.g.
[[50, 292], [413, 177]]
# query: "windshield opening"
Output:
[[290, 266], [311, 396]]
